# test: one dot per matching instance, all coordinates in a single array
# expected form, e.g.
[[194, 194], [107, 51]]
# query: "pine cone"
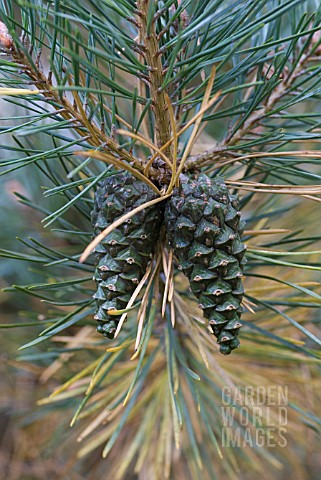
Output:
[[123, 255], [204, 228]]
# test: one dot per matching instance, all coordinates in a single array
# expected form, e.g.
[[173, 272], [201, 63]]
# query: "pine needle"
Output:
[[272, 231], [198, 115], [146, 142], [133, 298], [206, 103], [169, 278], [17, 91], [142, 311], [106, 158]]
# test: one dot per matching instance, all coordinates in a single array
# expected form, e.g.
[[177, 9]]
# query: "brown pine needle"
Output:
[[146, 142], [302, 190], [277, 186], [247, 304], [141, 319], [173, 317], [316, 199], [266, 231], [133, 298], [75, 341], [281, 192], [171, 285], [175, 146], [186, 127], [101, 417], [142, 310], [164, 261], [17, 91], [106, 158], [204, 123], [97, 240], [169, 274], [302, 153], [206, 102]]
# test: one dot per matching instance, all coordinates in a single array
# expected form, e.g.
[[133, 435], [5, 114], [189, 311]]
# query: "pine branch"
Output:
[[160, 382], [156, 75], [280, 90], [89, 130]]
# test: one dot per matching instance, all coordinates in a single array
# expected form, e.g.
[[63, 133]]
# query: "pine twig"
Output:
[[154, 65], [69, 112]]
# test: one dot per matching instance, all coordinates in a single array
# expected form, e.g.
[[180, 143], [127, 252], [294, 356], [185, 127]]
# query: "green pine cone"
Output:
[[204, 228], [123, 255]]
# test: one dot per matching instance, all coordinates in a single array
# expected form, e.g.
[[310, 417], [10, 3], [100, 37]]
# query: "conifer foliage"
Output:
[[154, 139]]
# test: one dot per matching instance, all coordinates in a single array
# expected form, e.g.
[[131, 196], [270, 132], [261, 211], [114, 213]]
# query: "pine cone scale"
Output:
[[123, 255], [204, 228]]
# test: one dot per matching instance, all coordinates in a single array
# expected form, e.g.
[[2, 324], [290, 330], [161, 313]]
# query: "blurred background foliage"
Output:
[[178, 375]]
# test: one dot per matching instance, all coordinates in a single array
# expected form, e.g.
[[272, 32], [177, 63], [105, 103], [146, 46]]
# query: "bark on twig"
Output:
[[154, 64]]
